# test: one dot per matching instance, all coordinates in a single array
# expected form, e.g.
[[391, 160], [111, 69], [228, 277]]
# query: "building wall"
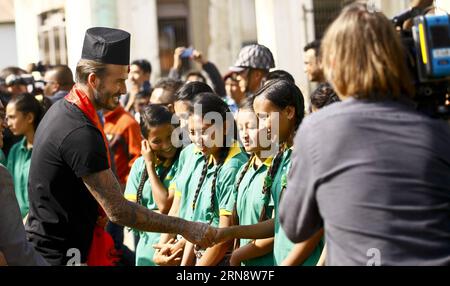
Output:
[[216, 27], [444, 5], [287, 37], [27, 18], [139, 18], [8, 56]]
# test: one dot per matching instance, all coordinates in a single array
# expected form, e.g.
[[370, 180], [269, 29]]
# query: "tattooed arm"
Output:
[[106, 190]]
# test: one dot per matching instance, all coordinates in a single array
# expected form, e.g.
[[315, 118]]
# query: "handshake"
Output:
[[201, 235]]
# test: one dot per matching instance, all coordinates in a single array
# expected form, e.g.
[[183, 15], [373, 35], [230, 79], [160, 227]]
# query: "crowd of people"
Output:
[[212, 170]]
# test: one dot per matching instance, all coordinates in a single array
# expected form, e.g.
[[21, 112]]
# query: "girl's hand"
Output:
[[147, 153], [235, 259], [168, 259], [164, 256]]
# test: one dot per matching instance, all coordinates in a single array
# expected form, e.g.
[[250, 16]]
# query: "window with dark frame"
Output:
[[52, 37]]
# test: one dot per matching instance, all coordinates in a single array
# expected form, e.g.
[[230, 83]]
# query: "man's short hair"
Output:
[[86, 67], [170, 87], [144, 65], [197, 74], [314, 45], [324, 95], [63, 75], [169, 84]]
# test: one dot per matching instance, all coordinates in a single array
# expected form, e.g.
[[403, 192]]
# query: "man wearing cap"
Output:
[[70, 174], [252, 66]]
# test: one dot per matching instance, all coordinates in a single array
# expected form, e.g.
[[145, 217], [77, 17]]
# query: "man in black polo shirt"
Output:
[[70, 174]]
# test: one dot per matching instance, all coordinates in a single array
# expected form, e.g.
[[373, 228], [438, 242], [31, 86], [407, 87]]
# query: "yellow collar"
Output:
[[165, 163], [267, 162], [197, 150], [235, 149]]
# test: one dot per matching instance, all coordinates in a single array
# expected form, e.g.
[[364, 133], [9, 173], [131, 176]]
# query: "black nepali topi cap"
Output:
[[107, 45]]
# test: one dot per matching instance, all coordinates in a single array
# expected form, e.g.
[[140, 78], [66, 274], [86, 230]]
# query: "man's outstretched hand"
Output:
[[200, 234]]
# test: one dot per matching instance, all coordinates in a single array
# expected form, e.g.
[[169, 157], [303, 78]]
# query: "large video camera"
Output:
[[34, 86], [24, 79], [428, 56]]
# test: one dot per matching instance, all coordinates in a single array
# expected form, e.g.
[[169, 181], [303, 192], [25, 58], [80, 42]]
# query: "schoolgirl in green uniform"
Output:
[[214, 133], [23, 114], [190, 158], [152, 173], [253, 202], [283, 100]]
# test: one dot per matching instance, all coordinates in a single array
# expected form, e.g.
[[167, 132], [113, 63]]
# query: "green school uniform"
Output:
[[144, 249], [250, 202], [283, 245], [190, 158], [225, 184], [19, 159]]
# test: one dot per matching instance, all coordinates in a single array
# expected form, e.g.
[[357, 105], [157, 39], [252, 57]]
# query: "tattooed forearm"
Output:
[[106, 190]]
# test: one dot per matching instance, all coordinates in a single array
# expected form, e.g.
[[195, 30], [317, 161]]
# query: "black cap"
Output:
[[106, 45]]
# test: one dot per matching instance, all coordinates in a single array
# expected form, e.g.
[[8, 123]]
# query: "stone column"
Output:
[[139, 17], [444, 5], [26, 32], [285, 28], [79, 18], [219, 48]]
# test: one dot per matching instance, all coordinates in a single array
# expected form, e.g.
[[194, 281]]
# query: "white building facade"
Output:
[[52, 31]]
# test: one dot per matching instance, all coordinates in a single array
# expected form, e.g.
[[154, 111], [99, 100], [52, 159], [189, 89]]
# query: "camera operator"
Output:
[[371, 170], [13, 83]]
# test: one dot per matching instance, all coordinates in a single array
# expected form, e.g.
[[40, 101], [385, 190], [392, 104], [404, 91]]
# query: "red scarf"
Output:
[[102, 248], [81, 100]]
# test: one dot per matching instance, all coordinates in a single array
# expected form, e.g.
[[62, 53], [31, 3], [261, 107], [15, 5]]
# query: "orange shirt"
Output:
[[124, 136]]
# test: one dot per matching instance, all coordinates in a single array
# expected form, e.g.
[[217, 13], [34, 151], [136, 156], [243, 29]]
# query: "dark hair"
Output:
[[144, 65], [324, 95], [143, 94], [210, 102], [27, 103], [247, 103], [197, 74], [280, 74], [153, 115], [189, 90], [169, 84], [63, 76], [314, 45], [4, 73], [284, 93]]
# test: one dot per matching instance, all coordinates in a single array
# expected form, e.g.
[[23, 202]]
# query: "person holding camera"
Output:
[[207, 66], [371, 170]]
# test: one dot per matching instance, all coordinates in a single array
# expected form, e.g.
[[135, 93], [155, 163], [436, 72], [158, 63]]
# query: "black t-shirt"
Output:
[[63, 213]]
